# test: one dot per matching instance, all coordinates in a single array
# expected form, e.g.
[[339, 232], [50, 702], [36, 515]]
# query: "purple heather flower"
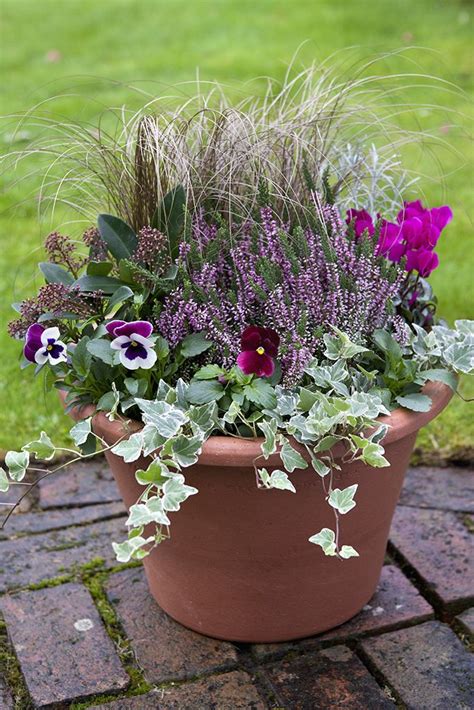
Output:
[[43, 345], [132, 342], [259, 348], [422, 260], [361, 221]]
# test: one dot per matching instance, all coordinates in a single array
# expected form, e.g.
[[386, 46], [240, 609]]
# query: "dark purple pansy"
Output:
[[361, 222], [43, 345], [259, 348], [131, 340]]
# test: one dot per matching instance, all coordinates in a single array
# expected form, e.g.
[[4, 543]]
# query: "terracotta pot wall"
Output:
[[239, 565]]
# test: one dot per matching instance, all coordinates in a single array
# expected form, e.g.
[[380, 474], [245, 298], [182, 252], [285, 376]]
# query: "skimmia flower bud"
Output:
[[132, 341], [259, 348], [43, 345]]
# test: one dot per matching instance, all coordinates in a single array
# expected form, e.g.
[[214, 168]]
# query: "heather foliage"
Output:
[[301, 282]]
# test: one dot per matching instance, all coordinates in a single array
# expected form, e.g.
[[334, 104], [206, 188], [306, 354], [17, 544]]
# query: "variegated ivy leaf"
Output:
[[150, 511], [326, 539], [343, 500], [186, 449], [290, 457], [371, 453], [4, 482], [460, 356], [347, 551], [156, 473], [81, 431], [286, 401], [278, 479], [166, 392], [319, 466], [366, 404], [43, 448], [17, 463], [232, 413], [152, 440], [124, 551], [175, 492], [130, 449], [269, 429], [167, 418], [203, 418], [379, 434], [340, 346], [464, 326]]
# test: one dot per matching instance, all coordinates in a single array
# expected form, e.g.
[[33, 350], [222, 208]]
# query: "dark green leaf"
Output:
[[194, 344], [119, 237], [107, 284], [99, 268], [102, 350], [123, 293], [81, 358], [55, 274], [204, 391]]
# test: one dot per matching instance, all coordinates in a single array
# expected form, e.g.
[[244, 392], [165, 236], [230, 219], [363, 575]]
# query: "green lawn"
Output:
[[104, 47]]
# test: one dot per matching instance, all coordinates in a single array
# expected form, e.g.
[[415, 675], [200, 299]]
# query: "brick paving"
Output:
[[78, 630]]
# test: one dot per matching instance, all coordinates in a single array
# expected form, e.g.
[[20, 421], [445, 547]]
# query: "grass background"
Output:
[[89, 52]]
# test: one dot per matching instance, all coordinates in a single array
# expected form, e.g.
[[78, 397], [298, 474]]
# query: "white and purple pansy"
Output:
[[132, 341], [43, 345]]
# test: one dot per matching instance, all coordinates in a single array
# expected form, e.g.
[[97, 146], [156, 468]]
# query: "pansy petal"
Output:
[[147, 362], [110, 327], [33, 334], [29, 352], [118, 343], [50, 334], [267, 366], [140, 339], [251, 338], [41, 356], [141, 327]]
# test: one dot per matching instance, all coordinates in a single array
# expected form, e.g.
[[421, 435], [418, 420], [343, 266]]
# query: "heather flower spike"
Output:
[[259, 348], [43, 345], [132, 341]]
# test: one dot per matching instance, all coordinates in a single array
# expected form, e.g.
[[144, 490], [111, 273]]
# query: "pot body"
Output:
[[238, 565]]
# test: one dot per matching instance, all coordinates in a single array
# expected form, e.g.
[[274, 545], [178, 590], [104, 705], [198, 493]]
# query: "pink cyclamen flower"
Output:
[[43, 345], [361, 221], [132, 342], [422, 260], [423, 226], [259, 348]]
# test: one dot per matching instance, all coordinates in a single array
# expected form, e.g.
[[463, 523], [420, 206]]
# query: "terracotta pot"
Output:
[[239, 565]]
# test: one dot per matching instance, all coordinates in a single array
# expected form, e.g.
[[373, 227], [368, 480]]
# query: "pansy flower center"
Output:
[[260, 350], [134, 343]]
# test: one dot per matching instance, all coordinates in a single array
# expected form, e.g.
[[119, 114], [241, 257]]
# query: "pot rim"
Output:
[[244, 452]]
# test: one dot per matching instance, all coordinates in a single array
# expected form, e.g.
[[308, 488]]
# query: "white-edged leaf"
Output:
[[269, 429], [130, 449], [343, 500], [17, 463], [167, 418], [347, 551], [290, 457], [150, 511], [81, 431], [438, 375], [4, 482], [175, 492], [43, 448], [326, 539], [124, 551], [186, 449], [278, 479]]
